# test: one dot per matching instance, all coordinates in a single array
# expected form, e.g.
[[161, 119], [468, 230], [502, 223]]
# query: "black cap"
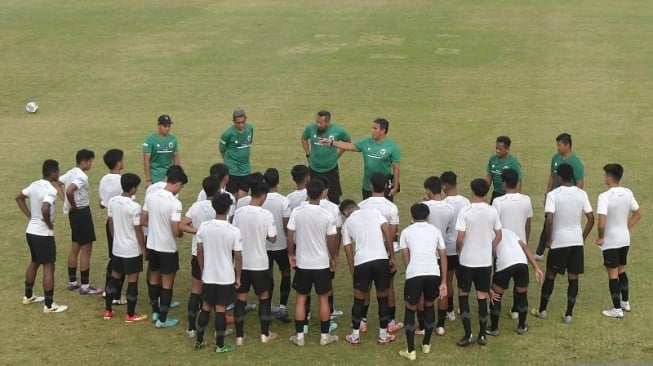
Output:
[[164, 119]]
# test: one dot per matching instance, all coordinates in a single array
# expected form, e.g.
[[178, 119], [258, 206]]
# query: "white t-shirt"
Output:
[[255, 224], [478, 221], [163, 208], [363, 227], [202, 197], [567, 204], [423, 241], [296, 198], [39, 192], [457, 202], [441, 215], [80, 179], [514, 209], [125, 213], [509, 251], [277, 204], [198, 213], [155, 187], [333, 209], [386, 207], [109, 187], [243, 201], [311, 224], [616, 204], [219, 240]]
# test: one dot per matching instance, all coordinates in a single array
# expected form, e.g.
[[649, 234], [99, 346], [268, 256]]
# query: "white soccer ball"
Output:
[[31, 107]]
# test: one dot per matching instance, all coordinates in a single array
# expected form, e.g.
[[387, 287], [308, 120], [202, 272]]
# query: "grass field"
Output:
[[449, 75]]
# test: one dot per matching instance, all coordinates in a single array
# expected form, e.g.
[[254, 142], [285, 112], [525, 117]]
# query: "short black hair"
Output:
[[565, 138], [324, 113], [383, 123], [449, 178], [565, 172], [614, 170], [177, 176], [112, 158], [378, 181], [129, 181], [419, 211], [346, 204], [433, 184], [271, 177], [84, 155], [174, 168], [315, 188], [299, 173], [49, 166], [221, 203], [258, 187], [211, 185], [480, 187], [219, 169], [510, 177], [505, 140]]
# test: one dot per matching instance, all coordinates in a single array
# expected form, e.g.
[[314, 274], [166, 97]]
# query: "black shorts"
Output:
[[82, 230], [237, 183], [452, 263], [566, 259], [518, 272], [42, 249], [613, 258], [221, 295], [127, 265], [305, 279], [260, 280], [415, 287], [163, 261], [280, 257], [195, 270], [377, 271], [479, 276], [333, 175]]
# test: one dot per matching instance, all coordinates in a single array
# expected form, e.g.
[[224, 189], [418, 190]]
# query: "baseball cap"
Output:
[[164, 119]]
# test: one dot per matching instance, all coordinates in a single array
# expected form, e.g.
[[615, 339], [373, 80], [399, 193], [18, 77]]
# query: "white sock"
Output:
[[324, 335], [355, 333], [85, 287], [282, 307], [300, 336], [383, 333]]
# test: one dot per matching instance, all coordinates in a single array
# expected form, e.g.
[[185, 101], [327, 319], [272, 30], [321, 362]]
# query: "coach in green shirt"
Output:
[[235, 147], [323, 159], [160, 151], [497, 163]]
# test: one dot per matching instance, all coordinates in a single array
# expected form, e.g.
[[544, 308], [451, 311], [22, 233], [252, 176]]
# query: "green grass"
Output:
[[449, 75]]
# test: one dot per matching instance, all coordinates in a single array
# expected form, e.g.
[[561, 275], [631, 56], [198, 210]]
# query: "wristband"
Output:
[[308, 156]]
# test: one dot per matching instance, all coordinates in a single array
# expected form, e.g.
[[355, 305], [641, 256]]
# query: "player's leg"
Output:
[[31, 271], [132, 294], [169, 268], [72, 266], [241, 302], [195, 296], [554, 261], [495, 309], [412, 294], [210, 291], [324, 288], [575, 267], [380, 275], [261, 286], [482, 276], [154, 281], [623, 279], [464, 286]]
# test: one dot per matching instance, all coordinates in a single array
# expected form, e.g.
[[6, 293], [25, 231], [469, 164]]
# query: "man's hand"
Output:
[[293, 261], [600, 241], [333, 264], [443, 290], [392, 263], [539, 276]]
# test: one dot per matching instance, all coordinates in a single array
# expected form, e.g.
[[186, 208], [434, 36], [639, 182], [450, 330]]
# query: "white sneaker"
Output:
[[538, 257], [451, 315], [240, 341], [567, 319], [439, 331], [336, 314], [613, 313], [514, 315], [625, 306], [191, 333], [330, 338], [32, 300], [55, 308], [276, 309], [267, 338]]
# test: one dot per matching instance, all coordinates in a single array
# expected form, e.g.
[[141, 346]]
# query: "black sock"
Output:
[[463, 301], [392, 312], [572, 293], [264, 316], [132, 296], [409, 324], [623, 286], [202, 322], [193, 309], [513, 309], [49, 298], [613, 285], [154, 292], [121, 283], [331, 302], [110, 294], [547, 290], [442, 315], [383, 312], [239, 318], [164, 307], [429, 314], [107, 275], [421, 319], [29, 289], [72, 274], [284, 291], [84, 276], [299, 325], [356, 313], [220, 328], [366, 308], [522, 308], [495, 312], [482, 316], [307, 309], [324, 326], [450, 303]]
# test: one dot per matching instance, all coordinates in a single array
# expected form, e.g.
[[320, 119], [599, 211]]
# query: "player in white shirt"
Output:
[[421, 243], [450, 189], [219, 255], [441, 215], [257, 227], [300, 175], [278, 205], [312, 229], [42, 196], [128, 247], [162, 214], [479, 231], [564, 208], [76, 206], [618, 212], [390, 211], [512, 258], [369, 262], [110, 187], [198, 213]]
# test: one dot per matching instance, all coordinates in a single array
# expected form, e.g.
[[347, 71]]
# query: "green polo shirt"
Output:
[[377, 157], [236, 147], [495, 166], [574, 161], [324, 157], [161, 150]]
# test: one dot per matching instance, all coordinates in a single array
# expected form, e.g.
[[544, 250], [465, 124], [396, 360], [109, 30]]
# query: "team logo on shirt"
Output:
[[158, 146], [249, 138], [382, 151], [170, 145]]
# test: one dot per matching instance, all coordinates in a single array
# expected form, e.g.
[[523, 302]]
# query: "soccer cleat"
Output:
[[135, 318], [538, 257], [426, 348], [267, 338], [613, 313], [492, 332], [363, 327], [336, 314], [419, 331], [283, 316], [330, 338], [224, 349], [174, 304], [240, 341], [90, 290], [539, 314], [54, 308], [192, 333], [166, 324], [231, 306], [121, 301], [394, 326], [625, 306], [439, 331], [385, 340], [276, 309], [296, 341], [482, 341], [466, 341], [332, 326], [198, 345], [514, 315], [567, 319], [412, 356], [32, 300], [108, 314], [451, 315], [522, 330], [250, 307], [155, 317], [352, 339], [72, 286]]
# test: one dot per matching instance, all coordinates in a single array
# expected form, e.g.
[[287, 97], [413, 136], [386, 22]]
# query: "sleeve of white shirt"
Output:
[[51, 197], [80, 183], [602, 205], [461, 225], [403, 242], [497, 221], [199, 235], [136, 215], [176, 211], [634, 206], [394, 216], [291, 221], [550, 205], [380, 218], [530, 207], [331, 230], [238, 245], [440, 241], [346, 238], [109, 209], [285, 211], [272, 227], [587, 207]]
